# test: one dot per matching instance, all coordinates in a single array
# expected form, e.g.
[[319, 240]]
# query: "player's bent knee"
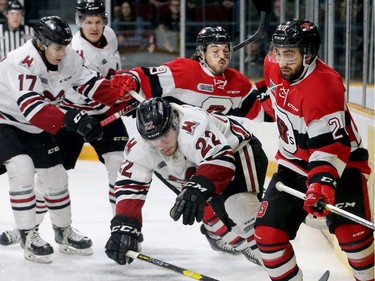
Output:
[[17, 180], [242, 208], [54, 179]]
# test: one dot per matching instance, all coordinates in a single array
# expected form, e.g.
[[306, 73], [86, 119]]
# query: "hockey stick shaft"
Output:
[[260, 33], [282, 187], [118, 114], [163, 264], [124, 111]]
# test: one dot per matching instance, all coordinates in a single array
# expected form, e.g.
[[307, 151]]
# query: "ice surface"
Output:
[[165, 240]]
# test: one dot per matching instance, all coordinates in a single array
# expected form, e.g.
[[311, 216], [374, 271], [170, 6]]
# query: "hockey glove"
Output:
[[125, 236], [122, 83], [190, 202], [316, 192], [85, 125]]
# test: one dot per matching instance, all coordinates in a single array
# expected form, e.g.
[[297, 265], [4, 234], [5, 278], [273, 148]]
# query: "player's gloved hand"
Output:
[[85, 125], [316, 192], [125, 236], [122, 83], [190, 202]]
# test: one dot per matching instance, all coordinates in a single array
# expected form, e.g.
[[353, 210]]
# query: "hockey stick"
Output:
[[163, 264], [124, 111], [264, 7], [282, 187], [260, 33], [120, 113]]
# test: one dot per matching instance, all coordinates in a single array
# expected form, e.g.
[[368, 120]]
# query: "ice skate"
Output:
[[35, 248], [217, 244], [251, 256], [71, 242], [9, 237]]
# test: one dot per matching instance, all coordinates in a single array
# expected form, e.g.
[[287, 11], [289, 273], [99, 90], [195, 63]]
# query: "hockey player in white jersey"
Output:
[[208, 158], [213, 86], [34, 79], [96, 43]]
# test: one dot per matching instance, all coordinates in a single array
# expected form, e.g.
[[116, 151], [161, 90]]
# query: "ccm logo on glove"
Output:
[[125, 228], [196, 185]]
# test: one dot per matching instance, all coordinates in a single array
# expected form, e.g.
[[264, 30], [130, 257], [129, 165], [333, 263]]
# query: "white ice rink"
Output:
[[165, 239]]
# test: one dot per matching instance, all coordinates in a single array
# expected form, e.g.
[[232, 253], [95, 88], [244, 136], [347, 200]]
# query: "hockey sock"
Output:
[[358, 243], [277, 254]]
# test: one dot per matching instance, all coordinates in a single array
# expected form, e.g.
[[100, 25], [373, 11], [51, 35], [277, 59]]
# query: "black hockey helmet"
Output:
[[155, 117], [297, 33], [90, 8], [210, 35], [14, 5], [53, 29]]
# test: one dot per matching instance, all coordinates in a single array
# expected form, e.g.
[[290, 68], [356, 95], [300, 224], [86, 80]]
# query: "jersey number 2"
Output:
[[203, 144]]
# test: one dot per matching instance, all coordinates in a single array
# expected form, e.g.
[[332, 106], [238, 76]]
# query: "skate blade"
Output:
[[38, 259], [65, 249]]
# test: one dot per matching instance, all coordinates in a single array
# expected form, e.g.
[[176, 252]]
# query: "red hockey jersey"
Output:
[[318, 136]]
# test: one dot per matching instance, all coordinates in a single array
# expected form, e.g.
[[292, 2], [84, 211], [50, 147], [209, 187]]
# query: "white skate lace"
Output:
[[35, 239], [71, 234], [221, 244], [12, 235], [250, 255]]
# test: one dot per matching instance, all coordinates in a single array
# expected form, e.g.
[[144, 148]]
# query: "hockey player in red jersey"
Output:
[[207, 158], [320, 153], [34, 79], [206, 81]]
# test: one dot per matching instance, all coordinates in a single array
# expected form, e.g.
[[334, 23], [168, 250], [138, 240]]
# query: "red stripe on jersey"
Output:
[[25, 103]]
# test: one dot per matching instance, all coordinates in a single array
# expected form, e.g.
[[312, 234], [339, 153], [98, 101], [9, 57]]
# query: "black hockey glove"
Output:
[[190, 202], [85, 125], [125, 236]]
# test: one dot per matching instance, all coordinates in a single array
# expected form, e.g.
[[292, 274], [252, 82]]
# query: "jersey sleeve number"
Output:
[[124, 168]]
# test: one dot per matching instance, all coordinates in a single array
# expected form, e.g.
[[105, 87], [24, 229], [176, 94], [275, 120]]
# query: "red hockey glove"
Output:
[[316, 192], [122, 83]]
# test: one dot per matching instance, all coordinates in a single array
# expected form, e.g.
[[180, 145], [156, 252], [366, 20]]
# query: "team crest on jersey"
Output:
[[205, 87], [220, 84], [190, 126], [129, 145], [273, 87], [27, 62]]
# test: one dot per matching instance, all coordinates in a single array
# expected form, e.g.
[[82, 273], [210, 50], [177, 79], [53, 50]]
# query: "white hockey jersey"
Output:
[[206, 146], [104, 61], [29, 92]]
